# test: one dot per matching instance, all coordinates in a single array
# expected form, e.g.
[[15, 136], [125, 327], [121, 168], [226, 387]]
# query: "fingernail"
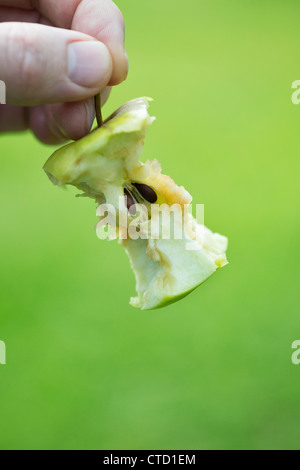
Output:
[[89, 63]]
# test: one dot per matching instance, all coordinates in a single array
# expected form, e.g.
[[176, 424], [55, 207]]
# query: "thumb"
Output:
[[42, 64]]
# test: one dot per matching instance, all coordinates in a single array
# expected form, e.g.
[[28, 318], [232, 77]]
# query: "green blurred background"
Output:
[[84, 369]]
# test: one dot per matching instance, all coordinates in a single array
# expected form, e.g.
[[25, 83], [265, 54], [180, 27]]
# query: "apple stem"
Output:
[[98, 110]]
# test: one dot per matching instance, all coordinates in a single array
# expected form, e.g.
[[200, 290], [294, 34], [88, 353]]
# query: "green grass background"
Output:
[[84, 369]]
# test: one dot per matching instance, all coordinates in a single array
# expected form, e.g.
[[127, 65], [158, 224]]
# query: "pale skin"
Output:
[[55, 56]]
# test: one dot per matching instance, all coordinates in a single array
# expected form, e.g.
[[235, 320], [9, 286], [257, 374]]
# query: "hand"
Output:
[[55, 55]]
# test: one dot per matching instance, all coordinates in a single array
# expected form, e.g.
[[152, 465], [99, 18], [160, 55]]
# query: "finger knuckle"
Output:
[[23, 55]]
